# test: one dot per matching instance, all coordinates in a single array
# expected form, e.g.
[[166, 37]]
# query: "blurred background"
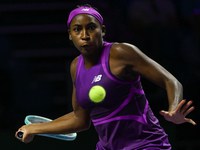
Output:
[[35, 56]]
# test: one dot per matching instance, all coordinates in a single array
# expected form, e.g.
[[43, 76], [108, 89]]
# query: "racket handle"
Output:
[[20, 134]]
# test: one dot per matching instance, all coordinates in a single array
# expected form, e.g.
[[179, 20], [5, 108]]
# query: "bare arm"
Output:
[[137, 63], [76, 121], [155, 73]]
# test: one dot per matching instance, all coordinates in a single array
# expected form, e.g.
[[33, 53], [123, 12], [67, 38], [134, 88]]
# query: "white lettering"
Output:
[[97, 78], [85, 9]]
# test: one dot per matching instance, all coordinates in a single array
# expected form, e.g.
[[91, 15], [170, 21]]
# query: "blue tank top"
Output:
[[123, 120]]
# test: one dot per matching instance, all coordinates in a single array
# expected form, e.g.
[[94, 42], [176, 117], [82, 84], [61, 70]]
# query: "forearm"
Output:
[[174, 92], [63, 125], [178, 108]]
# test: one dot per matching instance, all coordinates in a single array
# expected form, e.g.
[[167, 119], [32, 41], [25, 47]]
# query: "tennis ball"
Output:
[[97, 93]]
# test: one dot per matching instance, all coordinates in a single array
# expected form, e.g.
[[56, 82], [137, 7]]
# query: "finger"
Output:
[[186, 106], [28, 139], [16, 134], [164, 113], [190, 121], [180, 105], [189, 111]]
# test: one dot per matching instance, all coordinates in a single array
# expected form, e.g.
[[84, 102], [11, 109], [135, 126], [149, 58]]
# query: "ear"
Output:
[[70, 37], [103, 30]]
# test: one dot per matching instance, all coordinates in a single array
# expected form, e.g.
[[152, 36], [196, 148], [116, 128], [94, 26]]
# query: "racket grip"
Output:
[[20, 134]]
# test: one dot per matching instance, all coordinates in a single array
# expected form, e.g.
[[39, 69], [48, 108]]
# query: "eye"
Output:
[[92, 27], [76, 29]]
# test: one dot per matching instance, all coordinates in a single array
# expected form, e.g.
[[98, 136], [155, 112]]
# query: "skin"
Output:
[[127, 62]]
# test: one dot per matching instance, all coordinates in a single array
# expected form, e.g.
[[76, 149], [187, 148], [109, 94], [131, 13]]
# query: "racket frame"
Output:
[[27, 121]]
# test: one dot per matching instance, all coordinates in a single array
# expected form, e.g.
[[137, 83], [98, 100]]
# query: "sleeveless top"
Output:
[[123, 120]]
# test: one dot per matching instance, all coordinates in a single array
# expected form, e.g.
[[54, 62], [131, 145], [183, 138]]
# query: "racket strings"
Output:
[[34, 120]]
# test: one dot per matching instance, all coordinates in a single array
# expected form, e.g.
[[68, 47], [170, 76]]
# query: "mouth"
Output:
[[85, 45]]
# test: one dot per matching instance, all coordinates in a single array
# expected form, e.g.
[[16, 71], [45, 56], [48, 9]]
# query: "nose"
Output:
[[85, 35]]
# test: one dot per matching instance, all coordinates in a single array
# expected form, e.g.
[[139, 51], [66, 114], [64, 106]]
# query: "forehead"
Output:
[[84, 19]]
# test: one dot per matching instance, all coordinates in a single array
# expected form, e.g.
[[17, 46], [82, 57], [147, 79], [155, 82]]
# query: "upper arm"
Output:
[[140, 64], [79, 113]]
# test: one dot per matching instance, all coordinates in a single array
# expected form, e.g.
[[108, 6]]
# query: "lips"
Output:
[[84, 45]]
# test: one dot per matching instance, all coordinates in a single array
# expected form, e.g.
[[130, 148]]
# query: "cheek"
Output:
[[75, 39], [98, 38], [75, 43]]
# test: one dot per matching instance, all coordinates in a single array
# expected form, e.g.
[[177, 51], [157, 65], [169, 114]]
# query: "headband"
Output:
[[84, 10]]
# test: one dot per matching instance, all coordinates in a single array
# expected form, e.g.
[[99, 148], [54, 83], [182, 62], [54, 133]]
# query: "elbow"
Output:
[[86, 125], [82, 126], [81, 123], [173, 82], [178, 84]]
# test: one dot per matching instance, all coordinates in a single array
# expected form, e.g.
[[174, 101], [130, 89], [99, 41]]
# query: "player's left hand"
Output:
[[178, 115]]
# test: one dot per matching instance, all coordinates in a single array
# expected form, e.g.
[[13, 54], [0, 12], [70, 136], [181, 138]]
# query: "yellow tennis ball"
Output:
[[97, 93]]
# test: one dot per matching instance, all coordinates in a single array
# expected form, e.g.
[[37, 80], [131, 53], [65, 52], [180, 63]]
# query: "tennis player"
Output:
[[124, 119]]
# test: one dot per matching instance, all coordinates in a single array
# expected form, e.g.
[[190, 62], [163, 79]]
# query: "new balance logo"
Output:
[[85, 9], [97, 78]]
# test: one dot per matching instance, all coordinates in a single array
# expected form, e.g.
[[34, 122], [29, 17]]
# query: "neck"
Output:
[[91, 60]]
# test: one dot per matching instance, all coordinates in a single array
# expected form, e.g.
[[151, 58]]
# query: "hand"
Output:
[[177, 116], [26, 137]]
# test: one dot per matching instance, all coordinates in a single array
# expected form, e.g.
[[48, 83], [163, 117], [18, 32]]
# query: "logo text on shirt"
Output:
[[97, 78]]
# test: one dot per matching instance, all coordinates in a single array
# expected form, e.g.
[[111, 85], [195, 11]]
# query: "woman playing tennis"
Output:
[[123, 120]]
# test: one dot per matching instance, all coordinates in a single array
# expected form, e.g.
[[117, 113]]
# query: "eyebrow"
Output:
[[91, 23], [76, 25], [86, 25]]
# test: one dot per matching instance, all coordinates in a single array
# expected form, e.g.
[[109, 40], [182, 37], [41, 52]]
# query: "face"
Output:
[[86, 33]]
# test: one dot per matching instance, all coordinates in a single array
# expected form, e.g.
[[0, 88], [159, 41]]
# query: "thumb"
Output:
[[162, 112]]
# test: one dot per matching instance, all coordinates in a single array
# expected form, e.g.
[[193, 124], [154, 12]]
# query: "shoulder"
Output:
[[128, 55], [73, 68], [124, 51], [123, 60], [123, 46]]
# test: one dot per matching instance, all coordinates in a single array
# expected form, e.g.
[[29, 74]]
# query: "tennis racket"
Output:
[[38, 119]]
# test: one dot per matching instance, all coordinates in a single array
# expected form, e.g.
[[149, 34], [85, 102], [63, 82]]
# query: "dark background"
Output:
[[35, 56]]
